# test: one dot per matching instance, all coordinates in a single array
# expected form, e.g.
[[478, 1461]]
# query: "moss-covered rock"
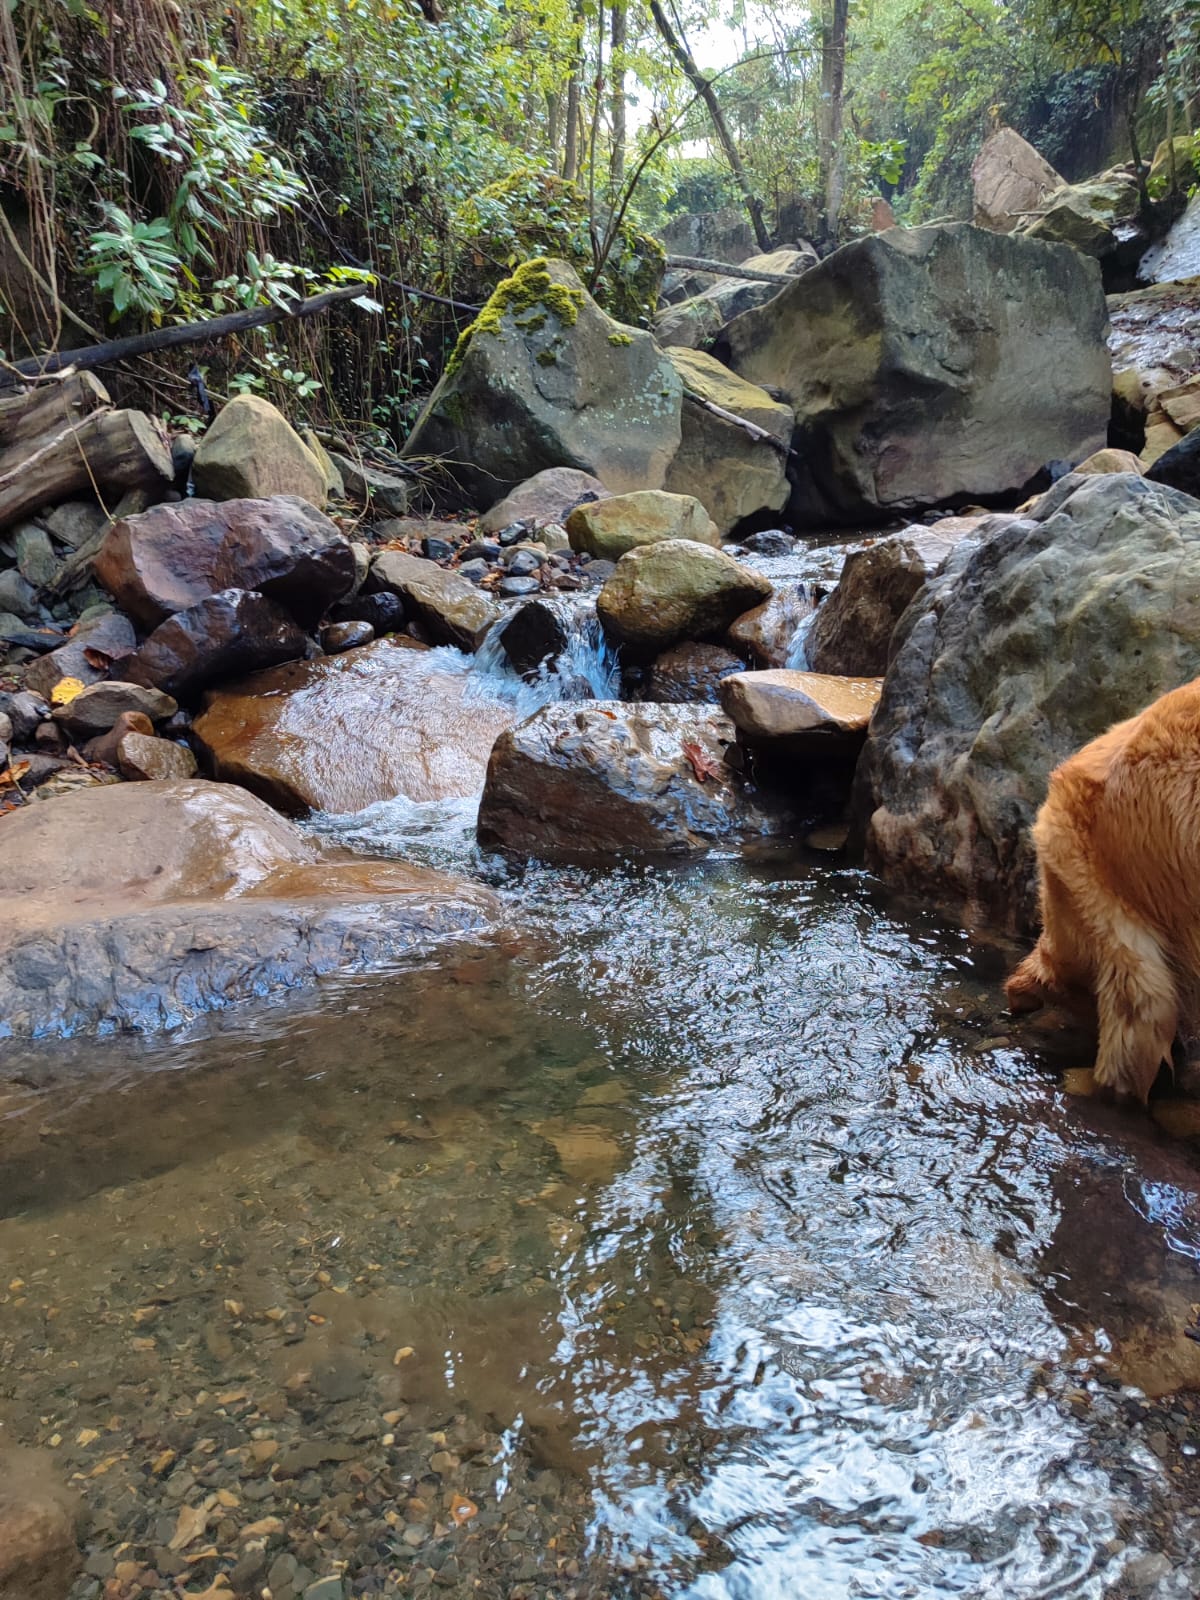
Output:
[[503, 411], [677, 589]]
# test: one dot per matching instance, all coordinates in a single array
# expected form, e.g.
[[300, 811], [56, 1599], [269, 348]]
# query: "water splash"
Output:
[[586, 662]]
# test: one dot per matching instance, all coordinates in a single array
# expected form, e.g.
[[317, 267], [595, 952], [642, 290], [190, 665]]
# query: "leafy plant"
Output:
[[135, 264]]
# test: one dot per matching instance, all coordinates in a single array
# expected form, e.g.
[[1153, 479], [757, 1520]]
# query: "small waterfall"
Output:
[[584, 667]]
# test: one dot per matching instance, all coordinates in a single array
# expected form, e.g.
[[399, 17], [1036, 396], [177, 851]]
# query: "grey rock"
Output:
[[97, 708], [108, 637], [17, 595], [36, 561], [522, 563], [371, 487], [75, 522], [517, 588]]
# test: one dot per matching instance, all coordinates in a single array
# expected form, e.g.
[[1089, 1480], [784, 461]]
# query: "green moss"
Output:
[[547, 358], [530, 290], [620, 338]]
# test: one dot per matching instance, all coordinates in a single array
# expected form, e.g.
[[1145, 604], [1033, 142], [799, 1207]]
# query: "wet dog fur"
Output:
[[1118, 844]]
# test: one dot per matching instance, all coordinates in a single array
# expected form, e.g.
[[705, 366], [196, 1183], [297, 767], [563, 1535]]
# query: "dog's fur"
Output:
[[1118, 843]]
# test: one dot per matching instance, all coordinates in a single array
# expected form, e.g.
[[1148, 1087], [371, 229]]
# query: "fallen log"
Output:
[[105, 451], [759, 435], [722, 269], [32, 413]]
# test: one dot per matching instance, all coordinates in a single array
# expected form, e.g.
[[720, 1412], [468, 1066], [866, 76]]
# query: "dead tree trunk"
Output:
[[104, 451]]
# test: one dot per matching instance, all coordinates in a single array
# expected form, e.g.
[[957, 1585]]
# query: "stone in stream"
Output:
[[137, 906], [1010, 179], [252, 452], [544, 378], [907, 359], [605, 778], [809, 710], [734, 475], [107, 639], [450, 607], [607, 529], [39, 1556], [691, 673], [340, 732], [221, 636], [97, 708], [173, 556], [1027, 644], [766, 634], [673, 590], [383, 611], [339, 636], [547, 497], [146, 759], [534, 635], [851, 632]]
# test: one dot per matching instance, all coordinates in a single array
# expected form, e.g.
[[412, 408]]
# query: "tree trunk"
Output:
[[570, 166], [616, 67], [105, 450], [678, 48], [32, 413], [833, 81]]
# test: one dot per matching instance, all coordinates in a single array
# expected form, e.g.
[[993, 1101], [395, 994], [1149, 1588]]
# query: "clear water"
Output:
[[737, 1249]]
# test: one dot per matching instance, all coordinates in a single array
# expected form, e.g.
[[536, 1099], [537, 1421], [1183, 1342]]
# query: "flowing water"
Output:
[[711, 1236]]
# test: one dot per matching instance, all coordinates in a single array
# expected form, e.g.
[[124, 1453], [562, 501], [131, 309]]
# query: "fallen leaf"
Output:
[[702, 763], [87, 1436], [462, 1509], [402, 1354], [193, 1520], [65, 690], [15, 773], [262, 1529]]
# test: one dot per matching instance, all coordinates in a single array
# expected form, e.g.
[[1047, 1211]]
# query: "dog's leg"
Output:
[[1035, 981], [1139, 1008]]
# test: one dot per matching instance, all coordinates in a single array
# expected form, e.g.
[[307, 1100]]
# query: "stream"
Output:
[[714, 1235]]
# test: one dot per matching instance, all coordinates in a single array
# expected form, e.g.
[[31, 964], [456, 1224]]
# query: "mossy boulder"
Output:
[[731, 473], [544, 378], [1097, 217], [675, 590], [531, 214], [607, 529]]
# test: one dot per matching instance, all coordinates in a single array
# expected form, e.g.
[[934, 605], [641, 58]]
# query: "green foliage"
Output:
[[529, 296], [135, 264]]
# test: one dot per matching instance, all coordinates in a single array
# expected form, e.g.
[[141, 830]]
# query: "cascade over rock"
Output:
[[544, 378], [908, 360], [1023, 647]]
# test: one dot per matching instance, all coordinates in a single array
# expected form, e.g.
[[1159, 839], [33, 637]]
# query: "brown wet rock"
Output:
[[104, 747], [607, 778], [38, 1553], [764, 635], [691, 673], [341, 732], [173, 556], [145, 759], [98, 707], [673, 590], [137, 906], [451, 608], [220, 637]]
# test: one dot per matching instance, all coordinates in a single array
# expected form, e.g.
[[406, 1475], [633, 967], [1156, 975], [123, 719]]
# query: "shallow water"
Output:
[[712, 1238]]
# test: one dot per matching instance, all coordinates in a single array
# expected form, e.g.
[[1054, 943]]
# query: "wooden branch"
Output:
[[759, 435], [724, 270], [30, 413], [103, 450]]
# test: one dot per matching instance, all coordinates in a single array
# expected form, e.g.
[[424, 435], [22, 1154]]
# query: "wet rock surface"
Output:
[[137, 907], [607, 778], [675, 590], [807, 709], [1025, 646], [341, 732], [222, 636], [690, 673], [173, 556], [448, 606]]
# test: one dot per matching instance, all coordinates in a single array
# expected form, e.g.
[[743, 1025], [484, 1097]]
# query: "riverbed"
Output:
[[713, 1234]]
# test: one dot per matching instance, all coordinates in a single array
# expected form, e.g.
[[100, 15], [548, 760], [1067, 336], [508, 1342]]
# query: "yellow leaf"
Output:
[[65, 690], [193, 1520]]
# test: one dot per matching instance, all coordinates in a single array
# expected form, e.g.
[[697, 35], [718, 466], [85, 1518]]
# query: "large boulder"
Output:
[[172, 556], [1178, 256], [851, 632], [1022, 648], [251, 452], [544, 378], [548, 496], [606, 778], [1100, 217], [1010, 179], [221, 637], [607, 529], [908, 360], [733, 474], [137, 906], [340, 732], [450, 607], [675, 590]]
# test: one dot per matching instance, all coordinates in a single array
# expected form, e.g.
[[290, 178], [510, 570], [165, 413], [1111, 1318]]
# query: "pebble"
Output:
[[481, 550], [522, 563], [339, 636], [514, 588], [513, 534], [437, 549], [476, 569]]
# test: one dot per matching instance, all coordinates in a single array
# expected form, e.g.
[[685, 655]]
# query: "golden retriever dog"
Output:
[[1118, 844]]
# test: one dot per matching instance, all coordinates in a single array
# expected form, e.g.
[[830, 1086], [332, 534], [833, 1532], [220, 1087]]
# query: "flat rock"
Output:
[[97, 708], [675, 590], [251, 452], [607, 529], [222, 636], [547, 497], [451, 608], [172, 556], [340, 732], [807, 707], [604, 778], [138, 906]]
